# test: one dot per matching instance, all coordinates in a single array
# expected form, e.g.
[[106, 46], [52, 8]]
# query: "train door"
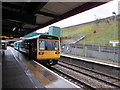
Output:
[[33, 48]]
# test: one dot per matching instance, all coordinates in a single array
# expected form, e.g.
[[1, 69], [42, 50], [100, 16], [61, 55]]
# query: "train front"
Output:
[[48, 49]]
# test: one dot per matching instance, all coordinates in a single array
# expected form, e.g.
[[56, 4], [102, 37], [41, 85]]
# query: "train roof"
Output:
[[18, 41], [42, 37]]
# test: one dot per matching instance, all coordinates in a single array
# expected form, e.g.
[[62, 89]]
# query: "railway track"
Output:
[[89, 78], [108, 69]]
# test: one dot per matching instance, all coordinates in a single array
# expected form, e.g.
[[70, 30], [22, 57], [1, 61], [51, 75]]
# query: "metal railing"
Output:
[[93, 51]]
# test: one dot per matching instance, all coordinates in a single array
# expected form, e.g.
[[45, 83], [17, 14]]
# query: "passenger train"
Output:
[[44, 48]]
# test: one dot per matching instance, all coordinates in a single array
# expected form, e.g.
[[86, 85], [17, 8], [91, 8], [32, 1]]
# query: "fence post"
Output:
[[99, 49], [85, 51], [114, 54]]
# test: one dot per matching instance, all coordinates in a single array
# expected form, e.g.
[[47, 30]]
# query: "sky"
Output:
[[99, 12]]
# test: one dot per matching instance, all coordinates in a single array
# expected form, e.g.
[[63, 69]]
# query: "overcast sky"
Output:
[[102, 11]]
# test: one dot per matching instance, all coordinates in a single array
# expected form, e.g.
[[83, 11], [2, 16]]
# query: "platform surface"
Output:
[[14, 73], [29, 73]]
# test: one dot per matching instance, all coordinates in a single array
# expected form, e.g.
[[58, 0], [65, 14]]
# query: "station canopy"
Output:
[[21, 18]]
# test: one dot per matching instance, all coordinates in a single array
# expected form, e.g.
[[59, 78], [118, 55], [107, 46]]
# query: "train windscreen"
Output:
[[48, 45], [49, 37]]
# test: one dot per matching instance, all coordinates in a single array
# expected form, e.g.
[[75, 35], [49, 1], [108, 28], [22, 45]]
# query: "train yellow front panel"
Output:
[[47, 55]]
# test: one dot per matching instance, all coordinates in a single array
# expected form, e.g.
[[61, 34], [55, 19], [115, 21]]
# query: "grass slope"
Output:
[[104, 31]]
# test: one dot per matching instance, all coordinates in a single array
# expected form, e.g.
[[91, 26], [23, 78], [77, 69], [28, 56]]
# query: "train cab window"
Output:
[[49, 45], [42, 45], [56, 45]]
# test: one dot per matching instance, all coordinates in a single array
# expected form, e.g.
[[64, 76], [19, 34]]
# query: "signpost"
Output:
[[114, 42]]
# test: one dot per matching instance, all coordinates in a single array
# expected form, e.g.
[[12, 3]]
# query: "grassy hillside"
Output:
[[104, 31]]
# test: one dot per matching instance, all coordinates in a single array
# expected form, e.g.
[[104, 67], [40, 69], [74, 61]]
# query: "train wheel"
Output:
[[55, 62], [52, 62]]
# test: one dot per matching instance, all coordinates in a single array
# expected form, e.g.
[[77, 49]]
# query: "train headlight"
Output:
[[57, 52], [41, 53]]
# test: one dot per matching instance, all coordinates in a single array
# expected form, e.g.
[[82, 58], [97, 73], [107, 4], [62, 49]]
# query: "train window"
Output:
[[56, 45], [42, 45], [49, 45]]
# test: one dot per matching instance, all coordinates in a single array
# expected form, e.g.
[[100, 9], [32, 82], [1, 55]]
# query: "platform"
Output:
[[14, 73], [108, 68], [103, 62], [20, 71]]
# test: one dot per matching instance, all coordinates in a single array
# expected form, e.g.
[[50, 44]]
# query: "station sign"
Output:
[[114, 42], [6, 37]]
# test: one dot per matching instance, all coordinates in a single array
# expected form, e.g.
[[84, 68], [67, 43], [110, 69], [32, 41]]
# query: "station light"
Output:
[[114, 24], [14, 28]]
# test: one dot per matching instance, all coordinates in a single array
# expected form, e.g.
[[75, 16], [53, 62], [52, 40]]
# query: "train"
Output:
[[3, 47], [43, 48]]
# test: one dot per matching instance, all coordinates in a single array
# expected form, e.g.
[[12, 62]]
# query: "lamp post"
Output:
[[114, 54], [114, 25]]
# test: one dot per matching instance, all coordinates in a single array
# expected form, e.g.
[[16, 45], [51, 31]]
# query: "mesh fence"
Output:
[[92, 51]]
